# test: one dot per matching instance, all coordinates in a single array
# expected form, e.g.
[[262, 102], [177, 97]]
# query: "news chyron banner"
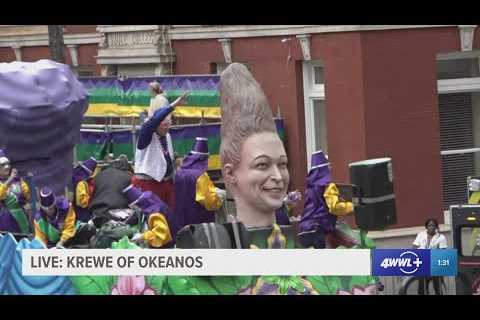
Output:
[[195, 262], [239, 262]]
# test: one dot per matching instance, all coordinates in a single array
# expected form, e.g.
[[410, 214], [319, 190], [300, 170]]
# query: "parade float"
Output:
[[42, 106]]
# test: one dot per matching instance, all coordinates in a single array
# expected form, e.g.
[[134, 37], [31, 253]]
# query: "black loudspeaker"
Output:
[[213, 236], [375, 205]]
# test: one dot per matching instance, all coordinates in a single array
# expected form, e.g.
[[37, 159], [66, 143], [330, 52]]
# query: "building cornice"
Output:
[[42, 40], [126, 28], [186, 32]]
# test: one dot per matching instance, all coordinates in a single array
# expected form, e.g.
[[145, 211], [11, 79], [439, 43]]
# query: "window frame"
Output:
[[458, 85], [311, 93]]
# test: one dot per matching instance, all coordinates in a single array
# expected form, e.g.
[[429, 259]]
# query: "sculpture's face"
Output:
[[261, 178]]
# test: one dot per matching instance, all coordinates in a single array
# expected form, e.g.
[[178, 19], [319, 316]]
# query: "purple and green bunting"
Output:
[[98, 144], [110, 96]]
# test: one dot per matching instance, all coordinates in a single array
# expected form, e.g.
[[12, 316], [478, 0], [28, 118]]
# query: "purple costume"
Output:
[[62, 209], [150, 203], [188, 211], [82, 173], [12, 215], [281, 216], [316, 214], [52, 226]]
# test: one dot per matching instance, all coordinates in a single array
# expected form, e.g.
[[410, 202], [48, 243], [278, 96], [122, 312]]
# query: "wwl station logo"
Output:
[[398, 262], [408, 263]]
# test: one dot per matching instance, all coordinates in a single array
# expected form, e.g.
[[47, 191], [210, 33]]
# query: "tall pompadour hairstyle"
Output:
[[245, 111]]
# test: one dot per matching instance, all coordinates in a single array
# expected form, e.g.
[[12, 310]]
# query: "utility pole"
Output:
[[55, 41]]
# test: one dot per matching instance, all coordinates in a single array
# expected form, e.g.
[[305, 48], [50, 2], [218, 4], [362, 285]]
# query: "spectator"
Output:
[[430, 238]]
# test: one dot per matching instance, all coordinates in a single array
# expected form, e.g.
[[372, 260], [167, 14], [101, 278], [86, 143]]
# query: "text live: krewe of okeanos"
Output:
[[208, 262]]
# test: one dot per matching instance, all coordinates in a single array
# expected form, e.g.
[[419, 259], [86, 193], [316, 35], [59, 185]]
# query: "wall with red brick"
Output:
[[7, 54], [401, 114], [381, 101], [476, 38], [92, 28], [342, 58], [30, 54], [86, 55]]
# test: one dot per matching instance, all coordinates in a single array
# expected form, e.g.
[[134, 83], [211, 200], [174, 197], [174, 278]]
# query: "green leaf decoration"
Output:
[[190, 286], [361, 281], [178, 285], [271, 279], [284, 285], [325, 284], [124, 243], [225, 285], [345, 281], [96, 285], [369, 243], [157, 283], [243, 282], [203, 285], [297, 284]]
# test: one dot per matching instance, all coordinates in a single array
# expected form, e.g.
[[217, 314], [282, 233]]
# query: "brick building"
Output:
[[358, 92]]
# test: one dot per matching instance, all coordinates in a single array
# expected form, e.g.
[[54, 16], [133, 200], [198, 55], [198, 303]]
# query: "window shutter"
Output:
[[456, 132]]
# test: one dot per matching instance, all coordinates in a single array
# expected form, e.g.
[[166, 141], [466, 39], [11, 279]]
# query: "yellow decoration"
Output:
[[158, 233], [39, 233], [115, 110], [205, 193], [276, 237], [69, 225], [25, 190], [3, 191], [336, 205], [474, 199], [82, 194]]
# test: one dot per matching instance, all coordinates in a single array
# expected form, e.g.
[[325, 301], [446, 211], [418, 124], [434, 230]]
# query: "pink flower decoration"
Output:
[[247, 291], [368, 290], [132, 285]]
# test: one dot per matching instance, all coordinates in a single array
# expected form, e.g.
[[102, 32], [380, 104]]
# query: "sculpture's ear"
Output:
[[229, 174]]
